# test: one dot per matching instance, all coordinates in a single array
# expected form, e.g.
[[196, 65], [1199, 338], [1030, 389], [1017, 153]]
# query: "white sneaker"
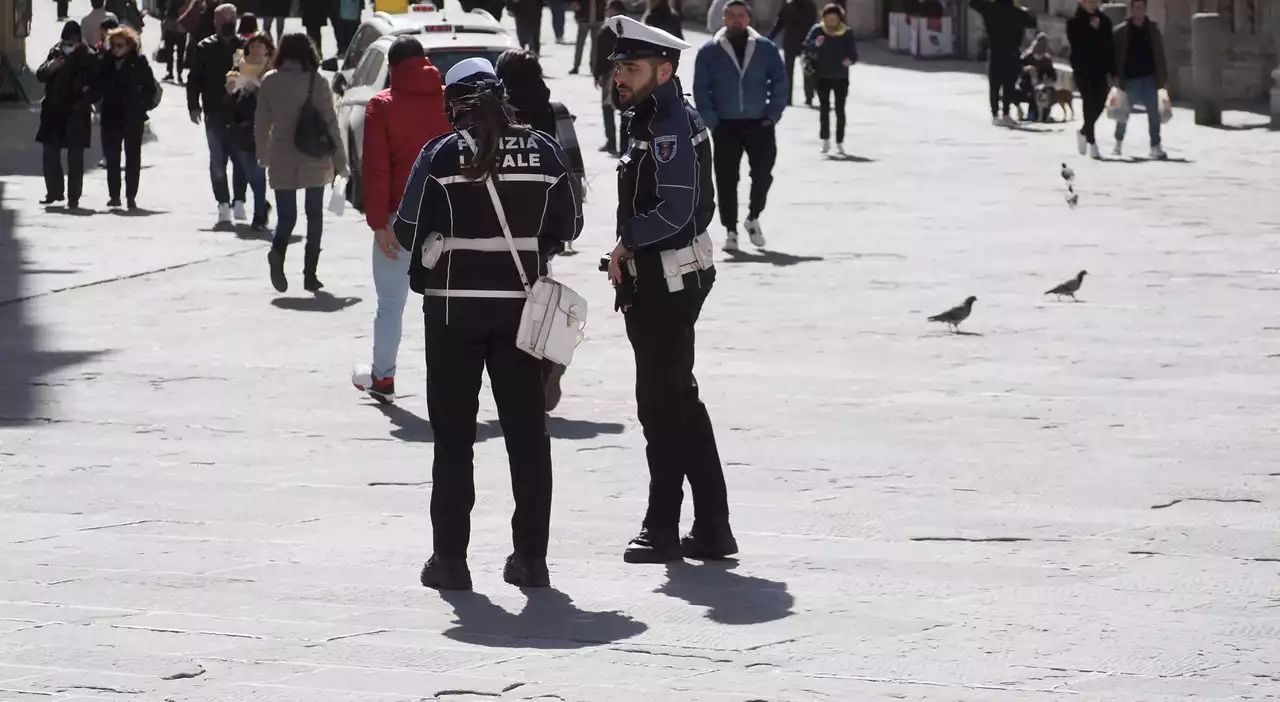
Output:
[[840, 150], [1119, 149], [1082, 143], [731, 242], [826, 145], [1158, 154], [224, 213], [1094, 153], [1008, 121], [755, 232], [237, 208]]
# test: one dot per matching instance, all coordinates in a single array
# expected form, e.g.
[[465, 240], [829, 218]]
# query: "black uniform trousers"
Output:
[[1002, 81], [1093, 95], [729, 140], [807, 80], [680, 442], [53, 178], [128, 136], [479, 334]]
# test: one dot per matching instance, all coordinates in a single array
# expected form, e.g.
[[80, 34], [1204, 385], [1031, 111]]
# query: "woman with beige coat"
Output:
[[284, 92]]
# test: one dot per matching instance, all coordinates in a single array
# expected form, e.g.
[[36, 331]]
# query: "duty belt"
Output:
[[697, 256]]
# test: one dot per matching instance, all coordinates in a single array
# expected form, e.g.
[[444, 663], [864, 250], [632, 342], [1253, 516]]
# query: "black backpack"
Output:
[[311, 136]]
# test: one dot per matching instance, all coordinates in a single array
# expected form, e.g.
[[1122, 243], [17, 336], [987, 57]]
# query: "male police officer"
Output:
[[665, 202]]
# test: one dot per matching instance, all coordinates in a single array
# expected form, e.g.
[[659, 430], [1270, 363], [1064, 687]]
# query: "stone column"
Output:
[[1207, 48], [1116, 12]]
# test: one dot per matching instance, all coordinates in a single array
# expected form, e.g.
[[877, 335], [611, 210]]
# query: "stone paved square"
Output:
[[1075, 501]]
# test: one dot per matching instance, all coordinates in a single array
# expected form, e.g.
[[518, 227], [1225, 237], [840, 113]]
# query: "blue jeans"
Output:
[[558, 8], [1145, 92], [391, 280], [287, 217], [257, 177], [219, 153]]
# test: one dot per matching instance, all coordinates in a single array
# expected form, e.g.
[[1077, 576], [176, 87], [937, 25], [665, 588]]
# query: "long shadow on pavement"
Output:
[[729, 598], [776, 258], [414, 428], [319, 302], [562, 428], [24, 363], [20, 155], [549, 620]]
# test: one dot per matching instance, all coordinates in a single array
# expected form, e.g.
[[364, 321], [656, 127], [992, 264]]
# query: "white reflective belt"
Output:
[[523, 243], [503, 294], [677, 262], [505, 178], [701, 137]]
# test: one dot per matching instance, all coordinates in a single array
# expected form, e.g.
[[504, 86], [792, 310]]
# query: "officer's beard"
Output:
[[638, 95]]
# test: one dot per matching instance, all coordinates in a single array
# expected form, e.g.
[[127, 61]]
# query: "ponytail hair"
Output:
[[484, 113]]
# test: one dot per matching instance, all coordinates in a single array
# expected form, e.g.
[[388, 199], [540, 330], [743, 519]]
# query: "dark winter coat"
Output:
[[533, 106], [794, 22], [127, 12], [1043, 65], [315, 13], [127, 90], [242, 109], [1006, 25], [601, 49], [1092, 51], [68, 96], [275, 8], [827, 51], [1121, 38], [666, 19], [210, 62]]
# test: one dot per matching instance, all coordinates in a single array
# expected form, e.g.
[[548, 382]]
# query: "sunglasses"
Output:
[[119, 46]]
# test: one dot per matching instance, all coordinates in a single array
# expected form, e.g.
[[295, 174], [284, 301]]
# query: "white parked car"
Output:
[[448, 37]]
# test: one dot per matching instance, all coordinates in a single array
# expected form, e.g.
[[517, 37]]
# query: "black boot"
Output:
[[446, 574], [275, 257], [526, 572], [310, 282], [709, 542], [653, 546]]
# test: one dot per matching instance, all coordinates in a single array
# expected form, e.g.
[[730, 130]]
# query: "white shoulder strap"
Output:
[[502, 218]]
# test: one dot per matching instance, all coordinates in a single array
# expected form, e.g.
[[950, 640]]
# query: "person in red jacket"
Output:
[[398, 122]]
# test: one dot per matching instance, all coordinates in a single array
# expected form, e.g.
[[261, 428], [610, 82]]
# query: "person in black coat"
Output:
[[1006, 25], [128, 89], [795, 20], [528, 17], [68, 74], [274, 12], [1093, 65], [602, 70], [660, 15], [315, 15]]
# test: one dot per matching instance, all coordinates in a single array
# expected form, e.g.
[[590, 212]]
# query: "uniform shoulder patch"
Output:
[[664, 148]]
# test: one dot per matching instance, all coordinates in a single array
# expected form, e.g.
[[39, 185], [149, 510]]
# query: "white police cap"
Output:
[[637, 40], [468, 67]]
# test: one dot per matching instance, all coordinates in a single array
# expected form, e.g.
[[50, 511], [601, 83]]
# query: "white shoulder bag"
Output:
[[554, 315]]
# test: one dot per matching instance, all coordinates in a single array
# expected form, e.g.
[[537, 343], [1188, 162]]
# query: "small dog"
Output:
[[1048, 97]]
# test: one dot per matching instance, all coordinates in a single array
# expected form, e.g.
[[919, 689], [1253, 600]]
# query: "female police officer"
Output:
[[665, 203], [473, 296]]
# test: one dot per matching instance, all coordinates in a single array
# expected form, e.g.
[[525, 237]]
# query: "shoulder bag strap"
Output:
[[502, 219]]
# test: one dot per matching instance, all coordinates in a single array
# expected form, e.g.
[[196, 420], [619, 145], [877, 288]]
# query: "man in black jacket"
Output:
[[795, 20], [211, 59], [1093, 64], [1006, 24]]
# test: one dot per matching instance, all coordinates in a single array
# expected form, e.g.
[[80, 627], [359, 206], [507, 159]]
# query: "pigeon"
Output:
[[1068, 174], [1073, 197], [954, 316], [1070, 287]]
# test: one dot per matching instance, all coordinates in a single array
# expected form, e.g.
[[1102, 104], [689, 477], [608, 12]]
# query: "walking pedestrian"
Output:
[[740, 86], [602, 71], [128, 89], [315, 15], [210, 62], [558, 8], [243, 84], [62, 7], [274, 13], [528, 16], [283, 100], [69, 75], [127, 12], [1141, 72], [491, 179], [174, 50], [665, 202], [589, 16], [659, 14], [1093, 63], [1006, 24], [91, 24], [830, 50], [529, 97], [346, 20], [398, 122], [795, 19]]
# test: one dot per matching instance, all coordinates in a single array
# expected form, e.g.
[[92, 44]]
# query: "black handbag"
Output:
[[311, 135]]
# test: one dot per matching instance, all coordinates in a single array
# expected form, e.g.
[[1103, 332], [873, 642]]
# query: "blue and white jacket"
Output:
[[723, 89]]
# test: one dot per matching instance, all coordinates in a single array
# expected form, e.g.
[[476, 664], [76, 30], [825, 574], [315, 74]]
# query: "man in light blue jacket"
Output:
[[740, 87]]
